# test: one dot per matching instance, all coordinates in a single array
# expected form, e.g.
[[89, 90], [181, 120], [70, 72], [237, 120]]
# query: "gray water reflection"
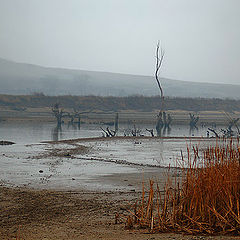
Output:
[[32, 132], [105, 158], [57, 133]]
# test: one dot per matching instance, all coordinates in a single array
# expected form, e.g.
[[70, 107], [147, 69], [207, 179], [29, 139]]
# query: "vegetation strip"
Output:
[[206, 199]]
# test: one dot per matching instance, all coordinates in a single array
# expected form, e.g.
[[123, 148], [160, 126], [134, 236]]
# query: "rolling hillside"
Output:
[[22, 78]]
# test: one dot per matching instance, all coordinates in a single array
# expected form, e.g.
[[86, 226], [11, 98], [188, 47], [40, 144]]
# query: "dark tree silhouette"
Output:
[[163, 120], [59, 114]]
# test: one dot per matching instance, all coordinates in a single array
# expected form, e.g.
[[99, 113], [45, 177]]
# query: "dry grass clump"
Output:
[[205, 199]]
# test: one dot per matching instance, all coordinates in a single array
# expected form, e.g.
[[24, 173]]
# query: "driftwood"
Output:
[[111, 133], [108, 132], [225, 133], [136, 131], [151, 131], [212, 130]]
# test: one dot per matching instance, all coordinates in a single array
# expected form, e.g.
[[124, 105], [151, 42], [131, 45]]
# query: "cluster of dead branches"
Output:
[[227, 132], [108, 132], [111, 133], [60, 114]]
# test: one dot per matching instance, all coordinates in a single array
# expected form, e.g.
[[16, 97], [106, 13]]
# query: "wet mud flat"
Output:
[[94, 163], [72, 189]]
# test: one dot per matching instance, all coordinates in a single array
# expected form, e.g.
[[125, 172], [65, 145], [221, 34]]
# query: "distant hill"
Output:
[[22, 78]]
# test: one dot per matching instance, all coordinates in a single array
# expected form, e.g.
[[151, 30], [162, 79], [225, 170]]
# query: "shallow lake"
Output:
[[20, 164], [34, 132]]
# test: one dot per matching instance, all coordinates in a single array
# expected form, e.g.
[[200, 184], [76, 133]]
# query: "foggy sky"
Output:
[[201, 37]]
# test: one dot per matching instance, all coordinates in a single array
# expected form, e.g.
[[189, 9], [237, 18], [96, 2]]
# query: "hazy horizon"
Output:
[[78, 69], [200, 38]]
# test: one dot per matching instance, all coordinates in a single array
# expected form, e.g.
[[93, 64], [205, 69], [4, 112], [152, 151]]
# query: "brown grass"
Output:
[[205, 199]]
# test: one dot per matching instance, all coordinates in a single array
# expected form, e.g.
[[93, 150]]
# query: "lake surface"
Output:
[[20, 163], [33, 132]]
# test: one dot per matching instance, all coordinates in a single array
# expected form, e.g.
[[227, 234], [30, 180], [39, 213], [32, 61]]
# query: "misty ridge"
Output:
[[24, 79]]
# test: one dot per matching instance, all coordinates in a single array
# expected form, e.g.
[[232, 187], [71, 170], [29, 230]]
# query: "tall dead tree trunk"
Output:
[[159, 60]]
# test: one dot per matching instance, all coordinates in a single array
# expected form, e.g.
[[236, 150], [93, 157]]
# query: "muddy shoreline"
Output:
[[42, 214], [72, 198], [91, 163]]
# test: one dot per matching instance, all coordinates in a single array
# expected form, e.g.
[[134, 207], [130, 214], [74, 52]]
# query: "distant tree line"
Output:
[[139, 103]]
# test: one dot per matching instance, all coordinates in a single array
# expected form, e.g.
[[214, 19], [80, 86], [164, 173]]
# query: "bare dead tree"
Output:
[[193, 121], [111, 133], [228, 131], [75, 116], [233, 122], [159, 60], [59, 113]]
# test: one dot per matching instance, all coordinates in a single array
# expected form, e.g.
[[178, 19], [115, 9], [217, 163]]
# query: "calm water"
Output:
[[32, 132], [20, 163]]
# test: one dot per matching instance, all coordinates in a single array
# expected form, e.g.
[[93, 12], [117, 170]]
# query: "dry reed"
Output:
[[205, 199], [18, 235]]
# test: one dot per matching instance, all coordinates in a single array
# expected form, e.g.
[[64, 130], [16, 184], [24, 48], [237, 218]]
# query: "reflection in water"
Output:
[[34, 132], [163, 132], [71, 125], [193, 131], [166, 131], [159, 132], [160, 159], [57, 133], [74, 125]]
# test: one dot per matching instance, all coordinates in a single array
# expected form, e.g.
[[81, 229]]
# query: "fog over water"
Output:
[[200, 38]]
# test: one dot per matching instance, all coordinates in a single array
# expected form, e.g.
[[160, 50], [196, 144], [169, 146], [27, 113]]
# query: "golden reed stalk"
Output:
[[205, 199]]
